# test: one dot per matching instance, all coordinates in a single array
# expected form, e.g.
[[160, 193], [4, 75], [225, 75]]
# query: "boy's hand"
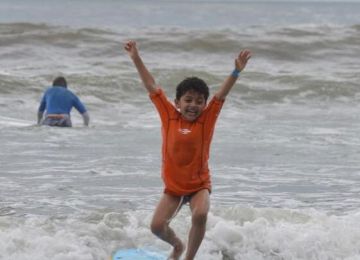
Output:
[[131, 49], [144, 74], [242, 59]]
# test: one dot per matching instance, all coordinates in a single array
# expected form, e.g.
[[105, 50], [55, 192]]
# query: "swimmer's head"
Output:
[[60, 82]]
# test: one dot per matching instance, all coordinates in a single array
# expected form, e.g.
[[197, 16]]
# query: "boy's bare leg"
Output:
[[199, 205], [160, 224]]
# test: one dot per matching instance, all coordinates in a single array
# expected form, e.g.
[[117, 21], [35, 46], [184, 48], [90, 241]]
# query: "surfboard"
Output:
[[137, 254]]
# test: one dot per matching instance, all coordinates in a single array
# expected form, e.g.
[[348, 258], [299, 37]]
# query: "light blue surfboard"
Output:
[[137, 254]]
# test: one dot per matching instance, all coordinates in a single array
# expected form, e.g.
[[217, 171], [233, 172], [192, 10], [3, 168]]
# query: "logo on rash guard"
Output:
[[184, 131]]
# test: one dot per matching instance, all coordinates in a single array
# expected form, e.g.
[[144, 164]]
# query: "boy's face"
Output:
[[191, 105]]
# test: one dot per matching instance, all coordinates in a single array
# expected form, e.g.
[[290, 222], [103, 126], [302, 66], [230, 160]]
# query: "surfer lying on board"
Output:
[[58, 102], [187, 130]]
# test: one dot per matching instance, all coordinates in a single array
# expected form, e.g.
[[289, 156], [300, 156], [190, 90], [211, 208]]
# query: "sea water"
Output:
[[285, 157]]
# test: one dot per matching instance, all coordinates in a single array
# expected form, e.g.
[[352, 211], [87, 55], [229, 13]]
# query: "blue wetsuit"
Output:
[[59, 101]]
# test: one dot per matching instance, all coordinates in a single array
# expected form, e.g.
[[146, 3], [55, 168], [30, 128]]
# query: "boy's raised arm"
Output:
[[240, 63], [145, 75]]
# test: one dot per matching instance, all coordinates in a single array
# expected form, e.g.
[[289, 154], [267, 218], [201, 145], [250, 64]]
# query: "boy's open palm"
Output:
[[242, 59]]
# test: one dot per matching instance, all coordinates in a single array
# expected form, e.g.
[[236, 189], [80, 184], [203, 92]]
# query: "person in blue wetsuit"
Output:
[[58, 101]]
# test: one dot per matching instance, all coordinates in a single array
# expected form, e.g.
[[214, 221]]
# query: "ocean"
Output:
[[285, 157]]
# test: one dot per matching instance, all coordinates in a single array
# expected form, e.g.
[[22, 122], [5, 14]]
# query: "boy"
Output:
[[187, 131], [58, 102]]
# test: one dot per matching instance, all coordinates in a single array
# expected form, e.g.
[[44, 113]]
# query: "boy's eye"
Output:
[[198, 101]]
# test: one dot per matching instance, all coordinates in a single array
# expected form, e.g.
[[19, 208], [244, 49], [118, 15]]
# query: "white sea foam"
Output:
[[7, 121], [232, 233]]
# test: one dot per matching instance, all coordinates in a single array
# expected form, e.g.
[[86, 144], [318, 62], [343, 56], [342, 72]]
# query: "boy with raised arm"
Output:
[[187, 130]]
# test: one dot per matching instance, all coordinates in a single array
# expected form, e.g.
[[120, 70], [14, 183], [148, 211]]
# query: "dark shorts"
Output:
[[61, 121], [186, 198]]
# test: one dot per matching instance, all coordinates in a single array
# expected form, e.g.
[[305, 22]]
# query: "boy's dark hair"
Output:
[[192, 83], [60, 82]]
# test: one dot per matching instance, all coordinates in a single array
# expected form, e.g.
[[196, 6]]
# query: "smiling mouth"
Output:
[[191, 113]]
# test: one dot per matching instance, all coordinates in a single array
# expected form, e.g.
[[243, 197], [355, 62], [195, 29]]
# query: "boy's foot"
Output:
[[178, 250]]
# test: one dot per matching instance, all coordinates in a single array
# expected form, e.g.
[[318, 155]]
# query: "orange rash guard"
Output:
[[186, 145]]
